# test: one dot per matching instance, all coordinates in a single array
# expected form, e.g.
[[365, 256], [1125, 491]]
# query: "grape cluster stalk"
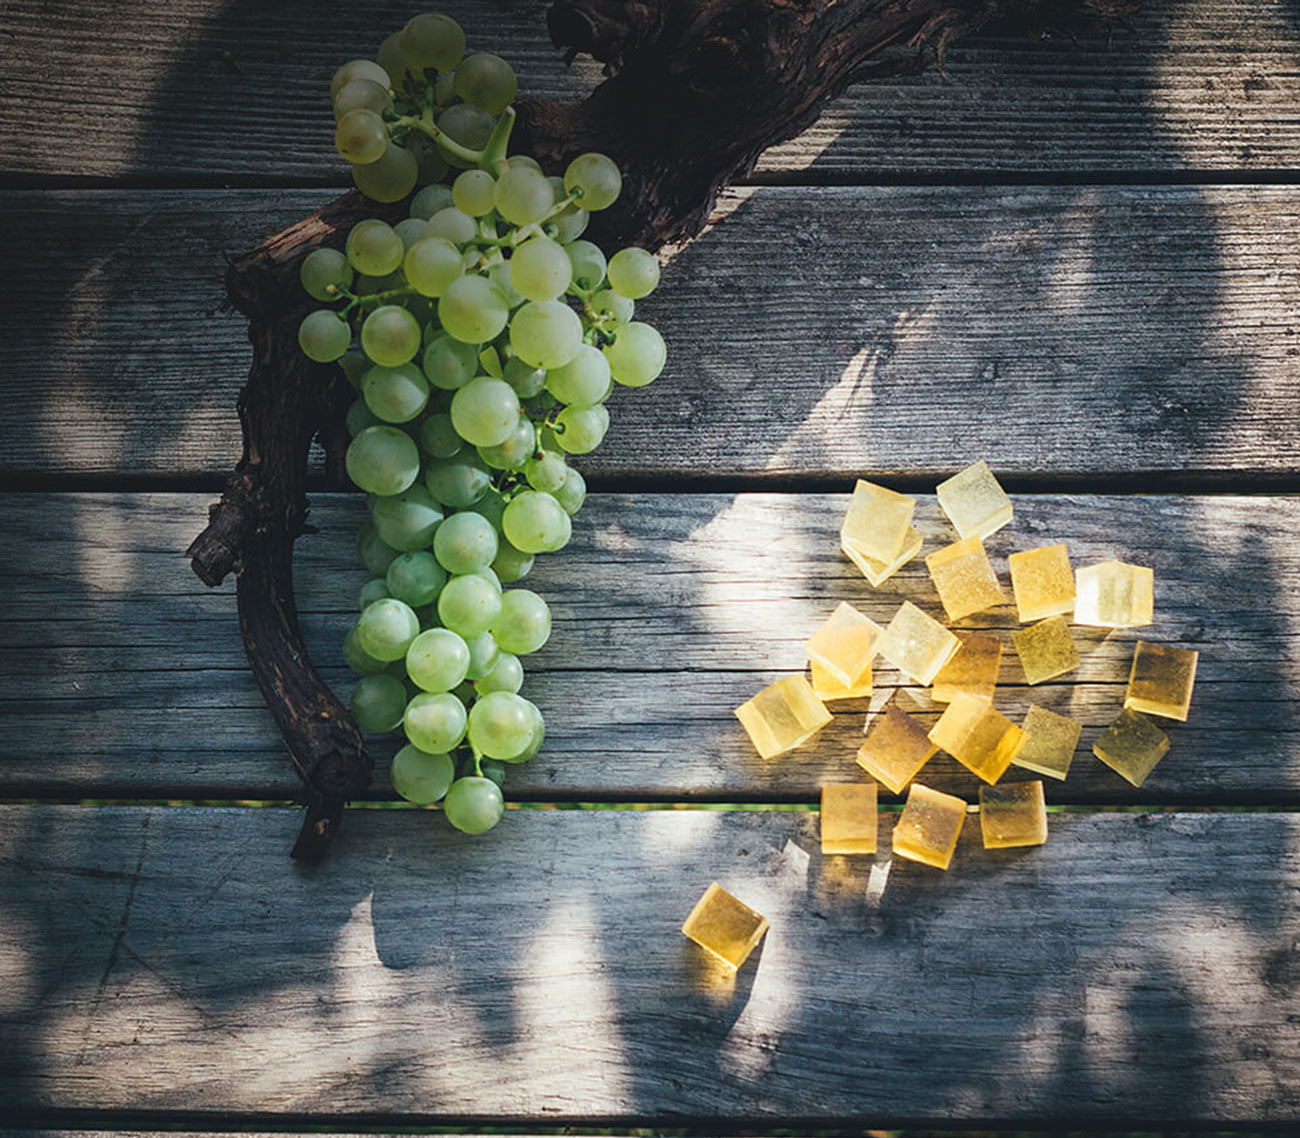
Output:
[[484, 337]]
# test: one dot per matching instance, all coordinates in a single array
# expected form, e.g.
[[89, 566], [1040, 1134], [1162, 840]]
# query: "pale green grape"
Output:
[[390, 335], [373, 551], [536, 740], [573, 493], [359, 417], [583, 380], [360, 136], [390, 177], [383, 460], [357, 69], [468, 605], [485, 410], [490, 505], [506, 674], [386, 628], [617, 309], [438, 437], [374, 248], [453, 225], [472, 310], [472, 192], [487, 81], [546, 333], [395, 394], [448, 363], [511, 564], [465, 543], [376, 589], [570, 225], [410, 230], [637, 354], [633, 273], [523, 196], [524, 622], [435, 721], [517, 160], [597, 179], [458, 482], [354, 364], [406, 521], [500, 725], [588, 264], [474, 805], [323, 336], [367, 286], [420, 777], [534, 522], [540, 269], [483, 653], [389, 57], [468, 125], [515, 449], [546, 472], [357, 658], [490, 576], [378, 703], [581, 429], [437, 660], [523, 377], [415, 578], [324, 270], [432, 40], [499, 275], [431, 264], [431, 200]]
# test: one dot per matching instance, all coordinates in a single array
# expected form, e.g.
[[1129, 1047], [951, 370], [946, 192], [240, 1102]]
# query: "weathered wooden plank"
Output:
[[1136, 967], [1204, 85], [121, 675], [831, 331]]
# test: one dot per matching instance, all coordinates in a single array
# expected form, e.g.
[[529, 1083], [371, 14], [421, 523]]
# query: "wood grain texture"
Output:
[[92, 91], [1135, 967], [819, 332], [121, 675]]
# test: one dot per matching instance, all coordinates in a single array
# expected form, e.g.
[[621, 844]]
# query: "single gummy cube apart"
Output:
[[964, 577], [1013, 815], [827, 688], [917, 644], [724, 926], [878, 572], [895, 749], [848, 818], [974, 502], [928, 828], [1043, 582], [1131, 746], [1050, 742], [1160, 681], [782, 716], [973, 669], [981, 739], [1114, 594], [878, 522], [1046, 649], [845, 645]]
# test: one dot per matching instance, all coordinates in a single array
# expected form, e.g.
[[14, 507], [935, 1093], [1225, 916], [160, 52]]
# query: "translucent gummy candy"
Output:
[[973, 669], [964, 577], [1013, 815], [1160, 680], [1046, 649], [1050, 742], [895, 749], [1131, 746], [917, 644], [848, 818], [878, 522], [928, 828], [974, 502], [724, 926], [782, 716], [981, 739], [845, 645], [1114, 594], [1042, 581], [828, 689], [878, 572]]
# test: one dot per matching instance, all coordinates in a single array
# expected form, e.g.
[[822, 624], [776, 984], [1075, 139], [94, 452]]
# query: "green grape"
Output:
[[535, 741], [453, 225], [465, 543], [523, 377], [534, 522], [433, 166], [500, 725], [506, 674], [431, 200], [470, 126], [410, 230], [390, 335], [490, 505], [438, 437], [374, 248], [483, 653], [546, 472], [499, 275], [491, 578], [431, 264], [354, 364], [360, 136], [472, 192], [468, 604], [485, 410], [633, 273], [583, 380], [389, 57], [472, 310], [458, 482], [614, 308], [582, 428], [383, 460], [362, 95], [376, 589], [378, 703], [406, 521], [386, 628], [524, 623], [415, 578], [444, 89], [546, 333], [324, 270], [515, 449], [570, 224], [437, 660], [358, 69], [511, 564], [522, 196], [522, 160], [448, 363], [367, 286], [573, 493], [390, 177], [588, 265], [487, 81], [373, 551], [395, 394], [432, 40], [596, 178], [323, 336], [474, 804], [359, 417], [637, 354], [420, 777], [540, 269], [435, 721], [357, 658]]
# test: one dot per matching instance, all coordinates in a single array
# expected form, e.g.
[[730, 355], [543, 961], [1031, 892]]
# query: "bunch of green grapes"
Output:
[[484, 337]]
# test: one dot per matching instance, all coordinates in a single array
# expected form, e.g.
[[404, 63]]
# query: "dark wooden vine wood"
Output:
[[695, 93]]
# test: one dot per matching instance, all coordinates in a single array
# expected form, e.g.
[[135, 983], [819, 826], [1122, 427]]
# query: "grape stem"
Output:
[[441, 137], [355, 298]]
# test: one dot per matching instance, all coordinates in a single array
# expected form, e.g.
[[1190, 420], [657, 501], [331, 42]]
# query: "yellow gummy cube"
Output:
[[928, 828], [782, 716], [878, 522], [878, 572], [981, 739], [844, 645], [1046, 649], [1042, 581], [917, 644], [895, 749], [1160, 680], [1013, 815], [827, 688], [848, 818], [1114, 594], [1131, 746], [724, 926], [964, 577], [1050, 742], [973, 669], [974, 502]]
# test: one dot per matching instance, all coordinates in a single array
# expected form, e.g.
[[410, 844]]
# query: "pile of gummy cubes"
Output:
[[961, 672]]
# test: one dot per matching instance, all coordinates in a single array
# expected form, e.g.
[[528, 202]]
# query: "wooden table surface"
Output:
[[1077, 261]]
